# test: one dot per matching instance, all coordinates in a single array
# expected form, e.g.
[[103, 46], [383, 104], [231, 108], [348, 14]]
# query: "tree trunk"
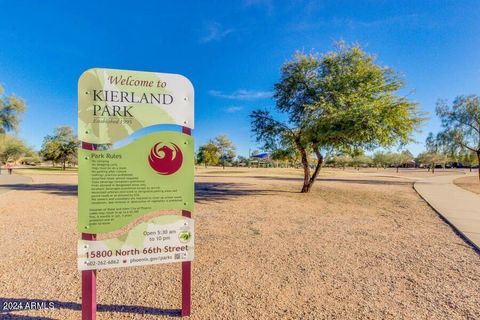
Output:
[[64, 163], [306, 169], [478, 160], [433, 168], [307, 186], [397, 169]]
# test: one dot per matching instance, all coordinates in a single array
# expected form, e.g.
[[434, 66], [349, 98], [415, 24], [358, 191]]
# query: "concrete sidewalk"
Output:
[[461, 208], [6, 180]]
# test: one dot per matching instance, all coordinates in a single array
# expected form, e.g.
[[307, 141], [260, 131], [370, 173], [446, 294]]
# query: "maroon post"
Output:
[[187, 265], [89, 277]]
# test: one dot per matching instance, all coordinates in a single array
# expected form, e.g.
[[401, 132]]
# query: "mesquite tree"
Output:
[[461, 123], [11, 110], [342, 100]]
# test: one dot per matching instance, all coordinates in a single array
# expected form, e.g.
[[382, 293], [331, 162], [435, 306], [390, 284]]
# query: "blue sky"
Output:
[[230, 50]]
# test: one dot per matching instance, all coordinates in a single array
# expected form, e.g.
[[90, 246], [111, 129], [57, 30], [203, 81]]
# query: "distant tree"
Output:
[[431, 159], [342, 99], [286, 156], [380, 159], [241, 161], [468, 158], [11, 110], [208, 154], [361, 160], [399, 159], [11, 149], [461, 123], [342, 160], [439, 150], [225, 147], [61, 147]]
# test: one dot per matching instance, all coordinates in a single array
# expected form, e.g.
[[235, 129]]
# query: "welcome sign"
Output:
[[113, 104], [154, 172], [118, 185]]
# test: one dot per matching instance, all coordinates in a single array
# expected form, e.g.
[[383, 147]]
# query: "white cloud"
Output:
[[214, 31], [242, 94], [233, 109]]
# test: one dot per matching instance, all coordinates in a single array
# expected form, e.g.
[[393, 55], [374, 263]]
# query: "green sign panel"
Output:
[[155, 171], [152, 173]]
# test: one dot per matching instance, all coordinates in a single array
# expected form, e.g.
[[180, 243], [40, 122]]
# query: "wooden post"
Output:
[[187, 265], [89, 277]]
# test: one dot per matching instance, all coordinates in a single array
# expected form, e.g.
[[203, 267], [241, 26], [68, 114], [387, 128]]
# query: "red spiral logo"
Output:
[[165, 158]]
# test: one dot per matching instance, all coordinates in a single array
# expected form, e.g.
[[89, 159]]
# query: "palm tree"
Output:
[[11, 109]]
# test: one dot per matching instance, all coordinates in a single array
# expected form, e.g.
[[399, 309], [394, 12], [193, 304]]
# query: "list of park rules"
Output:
[[119, 186]]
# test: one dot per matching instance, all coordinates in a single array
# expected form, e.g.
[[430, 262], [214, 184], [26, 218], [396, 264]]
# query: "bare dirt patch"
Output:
[[357, 247], [470, 183]]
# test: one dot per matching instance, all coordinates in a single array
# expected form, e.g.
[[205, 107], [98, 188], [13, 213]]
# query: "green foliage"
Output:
[[11, 148], [11, 110], [461, 124], [431, 158], [342, 100], [61, 146], [381, 159], [208, 154], [341, 160], [468, 158], [225, 147], [361, 160], [399, 159]]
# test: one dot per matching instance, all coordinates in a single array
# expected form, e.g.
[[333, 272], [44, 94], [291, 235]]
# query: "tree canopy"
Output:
[[11, 148], [461, 123], [11, 110], [208, 154], [225, 147], [341, 100], [61, 146]]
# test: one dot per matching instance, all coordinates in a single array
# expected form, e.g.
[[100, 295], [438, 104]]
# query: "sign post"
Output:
[[187, 265], [146, 173], [89, 277]]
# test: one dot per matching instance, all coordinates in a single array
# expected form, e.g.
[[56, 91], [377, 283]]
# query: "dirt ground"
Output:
[[359, 246], [468, 183]]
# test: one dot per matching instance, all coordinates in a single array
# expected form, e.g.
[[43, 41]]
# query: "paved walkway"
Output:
[[8, 180], [461, 208]]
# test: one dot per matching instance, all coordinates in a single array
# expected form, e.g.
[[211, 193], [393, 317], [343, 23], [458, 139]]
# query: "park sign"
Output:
[[154, 172], [113, 104], [115, 187], [163, 239], [125, 172]]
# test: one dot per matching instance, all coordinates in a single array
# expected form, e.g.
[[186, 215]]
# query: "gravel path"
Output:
[[11, 181], [355, 248]]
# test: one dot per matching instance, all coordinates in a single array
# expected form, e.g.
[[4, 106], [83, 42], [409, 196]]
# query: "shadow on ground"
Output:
[[204, 191], [208, 191], [218, 191], [53, 188], [78, 306], [322, 179]]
